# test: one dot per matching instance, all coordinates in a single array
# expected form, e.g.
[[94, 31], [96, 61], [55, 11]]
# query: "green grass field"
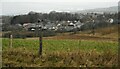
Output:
[[71, 53], [63, 45]]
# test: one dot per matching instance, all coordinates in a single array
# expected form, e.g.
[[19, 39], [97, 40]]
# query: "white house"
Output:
[[110, 20]]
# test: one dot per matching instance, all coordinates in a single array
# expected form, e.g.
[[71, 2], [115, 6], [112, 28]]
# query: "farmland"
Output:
[[64, 50], [82, 49], [60, 52]]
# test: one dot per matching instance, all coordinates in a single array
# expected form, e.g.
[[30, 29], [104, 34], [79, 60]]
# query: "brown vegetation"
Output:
[[22, 57]]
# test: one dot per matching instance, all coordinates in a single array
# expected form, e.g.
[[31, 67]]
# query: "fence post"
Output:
[[11, 37], [40, 42], [93, 31], [40, 37]]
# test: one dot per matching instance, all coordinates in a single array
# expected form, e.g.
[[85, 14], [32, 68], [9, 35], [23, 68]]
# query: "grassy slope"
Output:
[[60, 53], [82, 49]]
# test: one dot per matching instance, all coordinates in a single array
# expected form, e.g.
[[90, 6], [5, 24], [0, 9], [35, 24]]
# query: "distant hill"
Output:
[[113, 9]]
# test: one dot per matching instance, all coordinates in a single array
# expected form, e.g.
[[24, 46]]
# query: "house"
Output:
[[50, 26], [70, 27], [26, 24], [110, 20], [18, 25], [79, 24], [31, 26]]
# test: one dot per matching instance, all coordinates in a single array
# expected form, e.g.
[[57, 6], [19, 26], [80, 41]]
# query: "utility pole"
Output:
[[40, 36]]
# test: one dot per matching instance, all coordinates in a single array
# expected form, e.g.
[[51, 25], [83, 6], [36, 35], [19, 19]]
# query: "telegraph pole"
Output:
[[40, 36]]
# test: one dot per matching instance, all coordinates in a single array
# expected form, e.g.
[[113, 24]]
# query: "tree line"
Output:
[[52, 16], [32, 17]]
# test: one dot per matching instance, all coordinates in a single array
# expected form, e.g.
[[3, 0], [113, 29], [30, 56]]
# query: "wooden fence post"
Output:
[[40, 36], [40, 42], [11, 37]]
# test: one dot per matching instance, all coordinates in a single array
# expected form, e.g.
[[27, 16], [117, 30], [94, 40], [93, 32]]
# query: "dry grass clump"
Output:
[[17, 57]]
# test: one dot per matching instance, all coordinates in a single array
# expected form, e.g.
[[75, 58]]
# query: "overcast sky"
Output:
[[16, 7]]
